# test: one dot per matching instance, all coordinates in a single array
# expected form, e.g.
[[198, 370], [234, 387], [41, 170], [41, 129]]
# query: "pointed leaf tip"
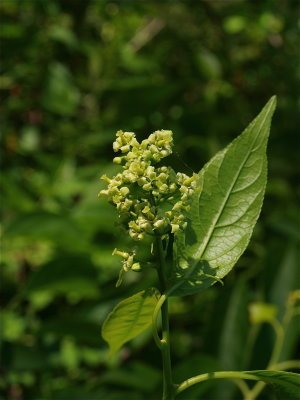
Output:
[[272, 103]]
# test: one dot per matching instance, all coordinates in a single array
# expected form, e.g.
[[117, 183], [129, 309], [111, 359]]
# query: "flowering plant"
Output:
[[197, 227]]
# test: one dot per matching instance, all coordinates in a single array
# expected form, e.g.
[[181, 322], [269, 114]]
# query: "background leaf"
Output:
[[232, 336], [227, 205], [129, 318], [75, 276]]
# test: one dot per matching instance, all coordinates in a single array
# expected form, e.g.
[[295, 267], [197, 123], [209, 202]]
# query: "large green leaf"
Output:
[[129, 318], [224, 209]]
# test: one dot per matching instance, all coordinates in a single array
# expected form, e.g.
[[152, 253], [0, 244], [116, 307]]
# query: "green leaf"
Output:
[[68, 274], [43, 225], [129, 318], [285, 281], [224, 209], [60, 95], [288, 383]]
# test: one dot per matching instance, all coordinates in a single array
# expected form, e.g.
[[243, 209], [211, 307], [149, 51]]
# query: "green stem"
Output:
[[244, 388], [278, 343], [158, 306], [168, 389], [166, 354], [214, 375]]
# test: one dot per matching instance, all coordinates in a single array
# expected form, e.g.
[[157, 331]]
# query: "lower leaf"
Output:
[[129, 318]]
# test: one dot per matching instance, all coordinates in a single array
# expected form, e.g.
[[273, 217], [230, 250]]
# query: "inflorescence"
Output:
[[150, 200]]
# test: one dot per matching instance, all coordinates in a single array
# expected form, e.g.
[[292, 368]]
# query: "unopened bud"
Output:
[[136, 267], [117, 160], [175, 228]]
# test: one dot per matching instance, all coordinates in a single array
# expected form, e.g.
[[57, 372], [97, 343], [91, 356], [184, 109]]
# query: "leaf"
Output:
[[61, 95], [224, 208], [288, 383], [43, 225], [68, 274], [129, 318], [286, 280]]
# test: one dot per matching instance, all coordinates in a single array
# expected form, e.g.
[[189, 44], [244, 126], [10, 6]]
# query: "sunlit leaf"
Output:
[[225, 208]]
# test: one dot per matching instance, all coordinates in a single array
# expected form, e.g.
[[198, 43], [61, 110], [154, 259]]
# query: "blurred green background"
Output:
[[72, 74]]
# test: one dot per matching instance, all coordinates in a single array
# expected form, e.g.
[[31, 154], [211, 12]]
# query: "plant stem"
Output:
[[214, 375], [166, 356], [157, 339], [168, 389]]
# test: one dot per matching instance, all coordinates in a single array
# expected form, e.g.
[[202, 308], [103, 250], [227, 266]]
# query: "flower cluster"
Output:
[[150, 199]]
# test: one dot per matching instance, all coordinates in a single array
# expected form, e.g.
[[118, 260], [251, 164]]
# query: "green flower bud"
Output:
[[177, 206], [124, 190], [163, 188], [175, 228], [142, 181], [103, 193], [136, 267], [159, 223], [147, 186], [125, 149], [117, 160], [116, 146]]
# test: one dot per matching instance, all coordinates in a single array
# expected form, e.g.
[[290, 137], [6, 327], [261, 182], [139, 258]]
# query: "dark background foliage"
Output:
[[72, 74]]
